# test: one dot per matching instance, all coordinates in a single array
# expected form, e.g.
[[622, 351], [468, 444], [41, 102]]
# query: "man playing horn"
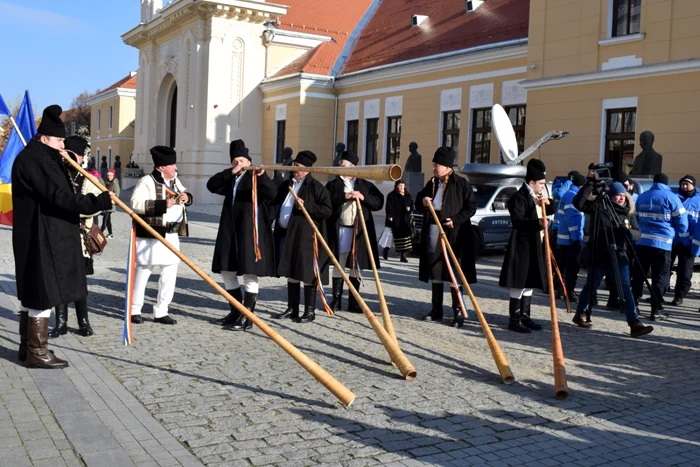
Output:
[[455, 203], [524, 262], [345, 236], [160, 199], [244, 246], [294, 238]]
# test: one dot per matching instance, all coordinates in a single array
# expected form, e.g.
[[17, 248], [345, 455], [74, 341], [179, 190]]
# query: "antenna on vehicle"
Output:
[[506, 137]]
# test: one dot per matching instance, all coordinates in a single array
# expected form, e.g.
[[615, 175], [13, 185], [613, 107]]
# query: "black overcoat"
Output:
[[523, 264], [459, 204], [234, 250], [396, 209], [49, 263], [374, 201], [294, 245]]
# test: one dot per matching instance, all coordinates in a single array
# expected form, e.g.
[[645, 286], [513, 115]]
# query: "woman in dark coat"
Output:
[[343, 222], [234, 253], [294, 238], [398, 218], [455, 203], [49, 263], [524, 262]]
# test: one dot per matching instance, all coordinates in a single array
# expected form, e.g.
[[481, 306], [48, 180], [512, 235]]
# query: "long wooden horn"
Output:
[[386, 317], [498, 357], [397, 357], [369, 172], [344, 395], [561, 390]]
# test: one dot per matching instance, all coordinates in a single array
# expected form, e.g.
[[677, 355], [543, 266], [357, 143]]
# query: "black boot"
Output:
[[61, 321], [38, 353], [436, 311], [353, 306], [638, 329], [337, 294], [525, 314], [23, 323], [458, 320], [233, 314], [292, 310], [243, 323], [403, 257], [514, 317], [386, 254], [309, 305], [582, 320], [81, 310]]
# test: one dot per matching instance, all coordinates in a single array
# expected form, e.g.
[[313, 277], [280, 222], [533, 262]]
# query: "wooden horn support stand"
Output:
[[499, 358], [344, 395], [397, 357], [561, 390]]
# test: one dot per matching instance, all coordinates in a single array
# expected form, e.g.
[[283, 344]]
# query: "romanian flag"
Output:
[[127, 336], [23, 130]]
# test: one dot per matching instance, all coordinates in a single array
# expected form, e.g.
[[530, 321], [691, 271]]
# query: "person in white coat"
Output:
[[160, 199]]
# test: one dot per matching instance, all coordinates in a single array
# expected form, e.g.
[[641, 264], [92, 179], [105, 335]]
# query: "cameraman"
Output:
[[601, 262]]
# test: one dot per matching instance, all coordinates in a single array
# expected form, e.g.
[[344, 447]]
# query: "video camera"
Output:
[[603, 173]]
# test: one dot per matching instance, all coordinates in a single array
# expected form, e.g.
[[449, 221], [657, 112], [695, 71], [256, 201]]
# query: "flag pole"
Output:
[[19, 133]]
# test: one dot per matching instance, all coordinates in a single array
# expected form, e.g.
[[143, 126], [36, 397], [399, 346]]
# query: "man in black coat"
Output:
[[49, 264], [455, 203], [524, 262], [234, 253], [294, 237], [345, 229]]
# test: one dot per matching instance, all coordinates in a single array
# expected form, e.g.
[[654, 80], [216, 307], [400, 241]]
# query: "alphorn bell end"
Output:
[[561, 394]]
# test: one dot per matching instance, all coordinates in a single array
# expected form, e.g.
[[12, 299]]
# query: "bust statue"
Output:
[[280, 175], [339, 148], [414, 161], [648, 162]]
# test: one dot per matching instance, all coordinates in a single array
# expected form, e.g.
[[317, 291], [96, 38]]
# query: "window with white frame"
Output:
[[279, 140], [619, 137], [109, 117], [352, 135], [393, 140], [626, 17], [99, 117], [371, 141]]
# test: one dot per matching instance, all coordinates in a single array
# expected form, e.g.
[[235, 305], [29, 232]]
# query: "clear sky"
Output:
[[58, 48]]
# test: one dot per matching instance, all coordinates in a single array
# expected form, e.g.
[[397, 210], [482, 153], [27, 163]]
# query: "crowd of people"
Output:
[[264, 232]]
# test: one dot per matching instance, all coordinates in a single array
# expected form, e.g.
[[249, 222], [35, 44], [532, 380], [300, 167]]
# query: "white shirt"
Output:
[[288, 205], [235, 186], [176, 212], [437, 201]]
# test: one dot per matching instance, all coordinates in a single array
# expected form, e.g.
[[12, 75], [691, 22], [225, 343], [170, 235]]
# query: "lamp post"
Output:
[[268, 35]]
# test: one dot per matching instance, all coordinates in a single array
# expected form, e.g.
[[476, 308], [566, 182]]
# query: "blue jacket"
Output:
[[692, 207], [571, 223], [695, 247], [559, 189], [661, 217]]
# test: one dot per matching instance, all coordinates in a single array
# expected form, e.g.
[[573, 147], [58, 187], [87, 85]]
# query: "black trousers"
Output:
[[684, 270], [107, 221], [660, 263], [572, 265]]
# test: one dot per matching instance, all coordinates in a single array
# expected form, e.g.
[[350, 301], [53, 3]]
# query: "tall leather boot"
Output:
[[233, 315], [353, 306], [385, 254], [81, 310], [514, 316], [61, 321], [403, 257], [436, 311], [309, 305], [458, 320], [243, 323], [336, 304], [23, 323], [38, 354], [292, 311], [525, 314]]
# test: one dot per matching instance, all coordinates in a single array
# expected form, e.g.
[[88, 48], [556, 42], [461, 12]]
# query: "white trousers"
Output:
[[250, 281], [166, 288], [38, 313], [520, 293], [342, 259]]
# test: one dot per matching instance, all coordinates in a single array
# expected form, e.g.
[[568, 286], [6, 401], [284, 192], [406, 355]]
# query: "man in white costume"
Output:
[[160, 199]]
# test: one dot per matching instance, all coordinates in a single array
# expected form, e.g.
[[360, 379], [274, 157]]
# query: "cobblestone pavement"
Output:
[[238, 399]]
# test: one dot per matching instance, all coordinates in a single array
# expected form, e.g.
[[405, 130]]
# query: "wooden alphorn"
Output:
[[372, 172], [386, 317], [561, 390], [498, 357], [344, 395], [397, 357]]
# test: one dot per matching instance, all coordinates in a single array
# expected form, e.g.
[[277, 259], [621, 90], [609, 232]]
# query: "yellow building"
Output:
[[112, 122]]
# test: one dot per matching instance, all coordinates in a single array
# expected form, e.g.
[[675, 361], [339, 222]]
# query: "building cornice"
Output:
[[617, 74], [447, 61], [296, 81], [111, 94], [182, 11]]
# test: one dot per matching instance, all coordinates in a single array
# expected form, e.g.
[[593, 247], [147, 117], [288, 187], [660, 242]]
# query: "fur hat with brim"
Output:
[[444, 156], [350, 157], [163, 155], [306, 158], [51, 123], [536, 170], [77, 144], [238, 149]]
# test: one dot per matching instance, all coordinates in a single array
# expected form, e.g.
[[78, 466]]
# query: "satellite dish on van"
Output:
[[506, 137]]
